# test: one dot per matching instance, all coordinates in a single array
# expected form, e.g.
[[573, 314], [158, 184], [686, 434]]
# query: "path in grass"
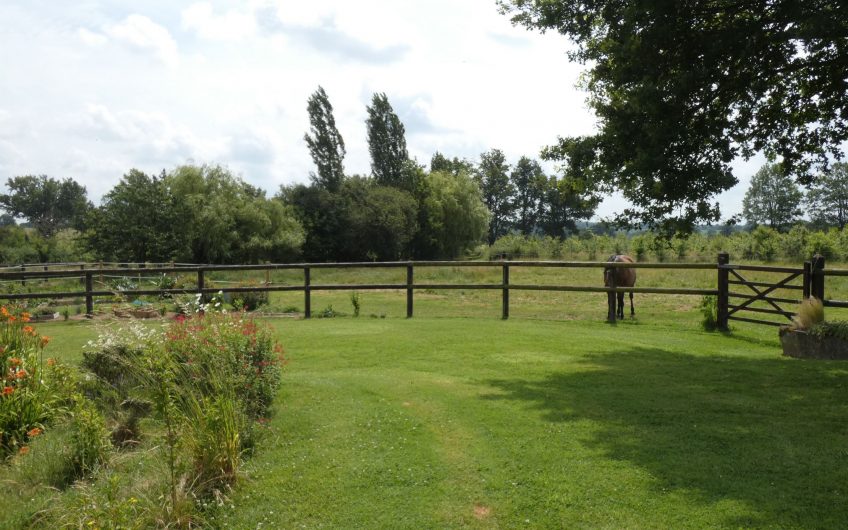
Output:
[[435, 423]]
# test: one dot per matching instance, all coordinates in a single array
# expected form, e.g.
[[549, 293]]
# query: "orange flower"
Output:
[[25, 315], [23, 450], [14, 361], [44, 340], [7, 390], [35, 431], [51, 361], [21, 374], [27, 329], [4, 312], [12, 318]]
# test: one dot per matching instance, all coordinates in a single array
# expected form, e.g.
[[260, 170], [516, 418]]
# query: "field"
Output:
[[553, 418]]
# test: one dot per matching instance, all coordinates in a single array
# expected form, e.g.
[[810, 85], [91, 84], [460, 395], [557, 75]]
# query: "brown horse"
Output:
[[624, 277]]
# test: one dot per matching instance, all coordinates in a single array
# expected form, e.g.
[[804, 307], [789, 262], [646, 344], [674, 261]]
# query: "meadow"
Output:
[[553, 418]]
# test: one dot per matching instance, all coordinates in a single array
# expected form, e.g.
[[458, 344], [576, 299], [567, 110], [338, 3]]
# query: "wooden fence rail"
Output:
[[812, 274]]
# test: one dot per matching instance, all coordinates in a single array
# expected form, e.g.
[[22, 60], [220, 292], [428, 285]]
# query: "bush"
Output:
[[822, 243], [709, 310], [250, 300]]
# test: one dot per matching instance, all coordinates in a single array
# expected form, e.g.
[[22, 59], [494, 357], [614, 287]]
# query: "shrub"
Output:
[[822, 243], [355, 300], [836, 328], [251, 300], [89, 439], [709, 310]]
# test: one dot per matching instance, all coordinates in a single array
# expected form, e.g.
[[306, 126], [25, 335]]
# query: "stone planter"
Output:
[[144, 313], [135, 312], [802, 345], [41, 317]]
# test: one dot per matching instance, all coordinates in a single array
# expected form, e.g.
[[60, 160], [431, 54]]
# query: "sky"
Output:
[[91, 89]]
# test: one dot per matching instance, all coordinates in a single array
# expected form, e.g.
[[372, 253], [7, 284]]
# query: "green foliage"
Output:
[[230, 221], [530, 185], [833, 328], [327, 312], [709, 310], [763, 244], [89, 440], [453, 216], [827, 199], [21, 245], [683, 88], [567, 200], [773, 198], [823, 244], [387, 145], [381, 221], [47, 203], [492, 176], [251, 300], [325, 143], [141, 219], [356, 301]]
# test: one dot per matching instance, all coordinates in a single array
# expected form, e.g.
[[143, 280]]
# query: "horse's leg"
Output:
[[632, 311], [621, 305]]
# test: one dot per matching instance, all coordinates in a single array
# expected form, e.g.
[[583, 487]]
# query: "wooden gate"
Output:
[[811, 284]]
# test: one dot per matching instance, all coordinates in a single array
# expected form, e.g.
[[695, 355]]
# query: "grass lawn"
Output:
[[483, 423]]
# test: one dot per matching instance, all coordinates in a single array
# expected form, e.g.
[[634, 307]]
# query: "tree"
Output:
[[772, 199], [565, 201], [441, 163], [230, 221], [387, 144], [322, 215], [454, 217], [680, 89], [139, 220], [530, 183], [380, 221], [827, 199], [47, 203], [325, 144], [493, 178]]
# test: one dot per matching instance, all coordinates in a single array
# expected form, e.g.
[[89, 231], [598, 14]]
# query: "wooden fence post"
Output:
[[808, 278], [307, 299], [200, 283], [817, 273], [723, 289], [409, 284], [505, 314], [82, 280], [23, 278], [89, 300]]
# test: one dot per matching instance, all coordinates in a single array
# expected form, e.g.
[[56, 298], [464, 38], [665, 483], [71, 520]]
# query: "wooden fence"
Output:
[[812, 276]]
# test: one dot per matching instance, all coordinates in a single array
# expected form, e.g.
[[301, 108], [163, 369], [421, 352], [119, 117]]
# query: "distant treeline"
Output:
[[759, 244]]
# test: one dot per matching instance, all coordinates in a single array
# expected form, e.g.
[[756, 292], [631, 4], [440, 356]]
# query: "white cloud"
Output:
[[141, 33], [230, 26], [91, 38], [150, 135]]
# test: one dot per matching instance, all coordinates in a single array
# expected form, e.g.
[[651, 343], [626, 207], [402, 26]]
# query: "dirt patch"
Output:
[[482, 512]]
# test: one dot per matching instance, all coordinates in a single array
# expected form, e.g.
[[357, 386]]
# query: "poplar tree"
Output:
[[325, 143], [387, 144]]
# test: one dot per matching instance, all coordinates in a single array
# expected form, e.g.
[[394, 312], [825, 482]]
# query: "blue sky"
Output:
[[91, 89]]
